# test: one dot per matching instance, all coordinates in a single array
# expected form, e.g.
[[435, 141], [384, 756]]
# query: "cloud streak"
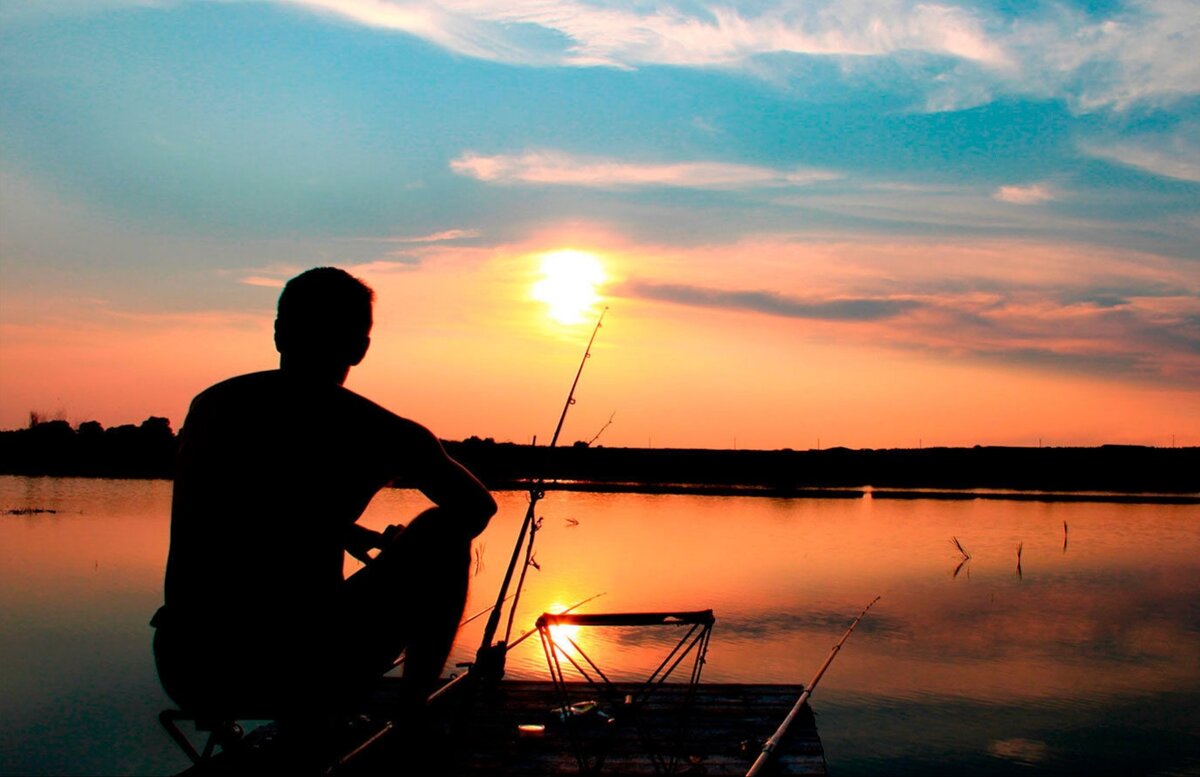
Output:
[[1139, 52], [956, 53], [771, 303], [1023, 195], [1072, 311], [666, 34], [444, 236], [557, 168], [1175, 155], [259, 280]]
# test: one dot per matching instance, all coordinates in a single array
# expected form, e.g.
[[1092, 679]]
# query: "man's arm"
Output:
[[446, 483]]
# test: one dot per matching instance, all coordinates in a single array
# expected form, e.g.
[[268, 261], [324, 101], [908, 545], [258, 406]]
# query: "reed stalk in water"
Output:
[[965, 556]]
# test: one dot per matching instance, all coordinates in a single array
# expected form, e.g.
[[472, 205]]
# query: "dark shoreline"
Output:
[[701, 489], [1107, 473]]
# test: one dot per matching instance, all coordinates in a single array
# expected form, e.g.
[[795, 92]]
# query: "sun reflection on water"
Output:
[[563, 634]]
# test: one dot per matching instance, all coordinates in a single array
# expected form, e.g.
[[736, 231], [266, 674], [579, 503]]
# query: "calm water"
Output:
[[1088, 661]]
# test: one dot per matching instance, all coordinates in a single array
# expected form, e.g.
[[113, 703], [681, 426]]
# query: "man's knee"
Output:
[[427, 556], [434, 535]]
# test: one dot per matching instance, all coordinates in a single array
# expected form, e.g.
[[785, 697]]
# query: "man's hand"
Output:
[[360, 540]]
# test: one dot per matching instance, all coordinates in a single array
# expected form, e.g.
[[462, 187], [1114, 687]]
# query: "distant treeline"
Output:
[[89, 450], [147, 450], [1108, 468]]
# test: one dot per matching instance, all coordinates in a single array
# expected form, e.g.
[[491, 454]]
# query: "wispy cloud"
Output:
[[1024, 195], [1138, 52], [1176, 155], [433, 237], [440, 237], [389, 265], [1133, 53], [267, 276], [908, 209], [1141, 52], [276, 276], [1155, 338], [771, 303], [562, 169], [1107, 313], [259, 280], [440, 24], [668, 34]]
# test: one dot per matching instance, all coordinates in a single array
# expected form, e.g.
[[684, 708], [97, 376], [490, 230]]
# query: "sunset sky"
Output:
[[870, 223]]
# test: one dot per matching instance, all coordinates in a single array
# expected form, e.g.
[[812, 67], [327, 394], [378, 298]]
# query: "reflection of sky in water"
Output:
[[1089, 659]]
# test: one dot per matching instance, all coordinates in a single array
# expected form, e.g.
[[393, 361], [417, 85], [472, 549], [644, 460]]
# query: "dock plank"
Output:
[[720, 734]]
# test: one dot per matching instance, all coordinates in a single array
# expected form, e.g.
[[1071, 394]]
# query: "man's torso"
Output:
[[271, 472]]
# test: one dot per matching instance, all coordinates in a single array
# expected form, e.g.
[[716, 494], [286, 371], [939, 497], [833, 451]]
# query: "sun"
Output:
[[562, 633], [568, 284]]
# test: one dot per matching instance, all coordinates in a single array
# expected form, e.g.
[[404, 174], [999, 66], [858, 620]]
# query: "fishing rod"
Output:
[[770, 745], [490, 657], [399, 661]]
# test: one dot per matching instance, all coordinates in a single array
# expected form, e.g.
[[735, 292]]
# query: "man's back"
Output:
[[272, 471]]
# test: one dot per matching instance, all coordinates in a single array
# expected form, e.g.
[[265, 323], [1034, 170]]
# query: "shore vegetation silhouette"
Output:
[[1103, 473]]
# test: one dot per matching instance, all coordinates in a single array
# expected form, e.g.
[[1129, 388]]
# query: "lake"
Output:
[[1085, 659]]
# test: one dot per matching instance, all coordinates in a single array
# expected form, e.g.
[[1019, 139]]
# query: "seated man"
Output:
[[273, 471]]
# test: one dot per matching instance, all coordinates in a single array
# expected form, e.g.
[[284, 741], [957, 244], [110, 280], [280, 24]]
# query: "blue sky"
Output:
[[167, 158]]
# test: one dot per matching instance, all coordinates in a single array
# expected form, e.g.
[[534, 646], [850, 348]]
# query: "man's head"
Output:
[[324, 321]]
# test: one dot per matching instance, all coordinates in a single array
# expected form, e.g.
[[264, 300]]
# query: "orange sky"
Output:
[[461, 344]]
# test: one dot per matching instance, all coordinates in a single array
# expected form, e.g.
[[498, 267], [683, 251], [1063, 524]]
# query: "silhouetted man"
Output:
[[273, 471]]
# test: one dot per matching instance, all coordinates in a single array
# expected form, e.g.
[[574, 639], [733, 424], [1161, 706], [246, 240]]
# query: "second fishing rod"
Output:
[[490, 658]]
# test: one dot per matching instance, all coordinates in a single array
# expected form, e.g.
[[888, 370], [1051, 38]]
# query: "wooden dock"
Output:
[[719, 733]]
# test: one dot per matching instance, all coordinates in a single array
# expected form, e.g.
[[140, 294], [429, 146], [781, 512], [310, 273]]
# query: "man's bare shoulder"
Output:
[[253, 381], [234, 392], [394, 424]]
